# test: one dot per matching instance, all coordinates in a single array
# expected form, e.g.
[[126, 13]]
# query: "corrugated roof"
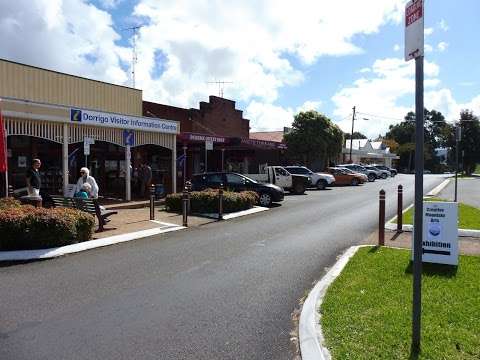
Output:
[[276, 136]]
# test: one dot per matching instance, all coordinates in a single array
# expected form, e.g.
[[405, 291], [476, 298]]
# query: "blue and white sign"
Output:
[[128, 137], [440, 232], [97, 118]]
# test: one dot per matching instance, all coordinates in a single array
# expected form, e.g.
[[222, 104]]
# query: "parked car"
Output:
[[317, 179], [278, 175], [381, 174], [342, 177], [371, 174], [392, 172], [267, 193], [365, 177]]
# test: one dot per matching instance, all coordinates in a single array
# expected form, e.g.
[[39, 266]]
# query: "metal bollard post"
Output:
[[152, 202], [381, 219], [10, 191], [220, 202], [400, 209], [188, 185], [185, 206]]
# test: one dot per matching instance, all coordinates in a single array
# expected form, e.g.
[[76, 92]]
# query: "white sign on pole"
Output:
[[208, 145], [414, 27], [87, 141], [440, 233]]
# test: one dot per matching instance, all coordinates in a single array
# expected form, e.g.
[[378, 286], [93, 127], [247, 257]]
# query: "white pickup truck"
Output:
[[317, 179], [278, 175]]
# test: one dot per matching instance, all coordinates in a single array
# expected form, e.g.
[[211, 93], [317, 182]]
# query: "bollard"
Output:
[[185, 206], [381, 219], [152, 202], [188, 185], [220, 202], [10, 191], [400, 209]]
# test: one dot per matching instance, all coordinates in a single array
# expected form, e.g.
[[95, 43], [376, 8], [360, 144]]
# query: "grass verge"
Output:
[[469, 216], [366, 313]]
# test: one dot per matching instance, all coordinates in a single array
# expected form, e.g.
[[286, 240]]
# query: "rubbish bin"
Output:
[[159, 191]]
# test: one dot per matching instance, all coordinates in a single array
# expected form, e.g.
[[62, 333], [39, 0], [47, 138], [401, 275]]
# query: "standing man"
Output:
[[33, 179], [145, 174]]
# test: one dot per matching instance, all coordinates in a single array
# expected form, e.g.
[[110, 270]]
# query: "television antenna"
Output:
[[134, 30], [221, 86]]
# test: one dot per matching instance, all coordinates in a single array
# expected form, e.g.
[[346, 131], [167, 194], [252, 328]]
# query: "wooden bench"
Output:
[[87, 205]]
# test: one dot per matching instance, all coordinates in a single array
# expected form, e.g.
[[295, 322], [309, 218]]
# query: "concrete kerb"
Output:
[[390, 225], [309, 328], [21, 255]]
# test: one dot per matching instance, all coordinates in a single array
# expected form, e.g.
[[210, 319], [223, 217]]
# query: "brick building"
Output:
[[219, 126]]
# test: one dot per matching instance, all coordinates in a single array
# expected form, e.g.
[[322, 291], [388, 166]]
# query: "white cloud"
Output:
[[51, 34], [428, 48], [442, 46], [396, 47], [203, 41], [364, 70], [269, 117], [428, 31], [392, 79], [110, 4], [443, 25]]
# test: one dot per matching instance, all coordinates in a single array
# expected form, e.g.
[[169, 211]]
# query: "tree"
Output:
[[470, 141], [356, 135], [314, 137], [437, 133]]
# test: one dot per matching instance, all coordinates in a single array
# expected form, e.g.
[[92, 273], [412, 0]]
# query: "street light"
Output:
[[351, 135]]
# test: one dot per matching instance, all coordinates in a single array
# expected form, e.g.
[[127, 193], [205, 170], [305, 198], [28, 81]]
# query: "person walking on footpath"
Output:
[[33, 180], [86, 178], [145, 175]]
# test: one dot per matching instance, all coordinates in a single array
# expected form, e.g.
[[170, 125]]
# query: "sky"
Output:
[[277, 57]]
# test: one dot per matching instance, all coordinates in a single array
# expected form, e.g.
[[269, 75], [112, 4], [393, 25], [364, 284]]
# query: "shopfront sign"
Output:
[[264, 143], [96, 118], [440, 233], [203, 138]]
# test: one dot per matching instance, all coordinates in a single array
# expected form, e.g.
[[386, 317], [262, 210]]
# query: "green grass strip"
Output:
[[366, 313], [469, 216]]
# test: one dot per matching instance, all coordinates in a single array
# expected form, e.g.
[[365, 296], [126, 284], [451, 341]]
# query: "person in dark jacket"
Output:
[[33, 180]]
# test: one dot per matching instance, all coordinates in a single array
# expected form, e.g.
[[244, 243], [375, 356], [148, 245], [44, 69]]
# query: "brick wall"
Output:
[[216, 117]]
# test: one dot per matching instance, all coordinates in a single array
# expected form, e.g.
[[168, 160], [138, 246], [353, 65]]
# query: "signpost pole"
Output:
[[457, 142], [206, 152], [418, 222]]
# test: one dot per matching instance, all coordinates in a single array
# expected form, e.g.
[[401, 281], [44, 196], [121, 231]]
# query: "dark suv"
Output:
[[267, 193]]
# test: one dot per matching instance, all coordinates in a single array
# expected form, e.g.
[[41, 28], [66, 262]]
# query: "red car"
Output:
[[342, 177]]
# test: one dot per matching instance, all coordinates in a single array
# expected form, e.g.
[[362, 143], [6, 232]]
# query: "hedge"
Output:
[[27, 227], [207, 201]]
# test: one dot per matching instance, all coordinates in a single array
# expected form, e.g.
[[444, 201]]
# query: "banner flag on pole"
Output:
[[3, 146]]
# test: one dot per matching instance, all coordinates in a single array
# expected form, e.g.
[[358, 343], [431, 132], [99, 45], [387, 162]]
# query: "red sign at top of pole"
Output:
[[413, 13]]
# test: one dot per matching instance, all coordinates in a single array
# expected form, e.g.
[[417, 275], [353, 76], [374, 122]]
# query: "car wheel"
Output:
[[371, 177], [321, 184], [354, 182], [384, 176], [265, 200]]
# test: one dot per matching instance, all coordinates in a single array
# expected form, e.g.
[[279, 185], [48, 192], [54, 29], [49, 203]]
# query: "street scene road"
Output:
[[221, 291]]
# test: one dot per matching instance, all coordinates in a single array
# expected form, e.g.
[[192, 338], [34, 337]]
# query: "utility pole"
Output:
[[351, 135]]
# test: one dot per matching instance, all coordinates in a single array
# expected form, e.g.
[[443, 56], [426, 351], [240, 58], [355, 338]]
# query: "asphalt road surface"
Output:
[[221, 291], [468, 191]]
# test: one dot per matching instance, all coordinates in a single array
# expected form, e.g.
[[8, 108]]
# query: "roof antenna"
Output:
[[221, 85], [134, 30]]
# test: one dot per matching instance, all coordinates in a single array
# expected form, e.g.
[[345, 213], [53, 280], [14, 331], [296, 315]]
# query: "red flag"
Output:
[[3, 146]]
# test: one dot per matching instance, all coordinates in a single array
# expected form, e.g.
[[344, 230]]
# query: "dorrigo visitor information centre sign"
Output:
[[440, 233], [96, 118]]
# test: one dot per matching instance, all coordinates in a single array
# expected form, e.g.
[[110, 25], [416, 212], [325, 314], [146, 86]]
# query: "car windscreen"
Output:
[[251, 180]]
